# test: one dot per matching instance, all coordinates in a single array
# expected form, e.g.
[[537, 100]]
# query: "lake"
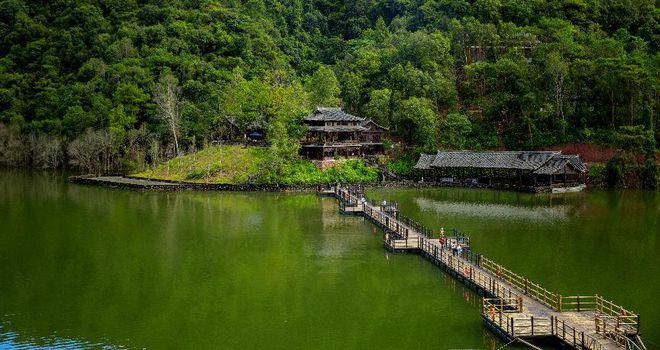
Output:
[[89, 267]]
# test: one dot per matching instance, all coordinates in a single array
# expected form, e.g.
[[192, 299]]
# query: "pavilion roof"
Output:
[[557, 164], [337, 128], [332, 114], [541, 162]]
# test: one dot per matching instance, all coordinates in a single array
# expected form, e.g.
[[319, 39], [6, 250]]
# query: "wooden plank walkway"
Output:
[[513, 307]]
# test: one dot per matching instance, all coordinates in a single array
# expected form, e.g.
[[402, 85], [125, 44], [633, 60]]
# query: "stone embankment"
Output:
[[139, 183]]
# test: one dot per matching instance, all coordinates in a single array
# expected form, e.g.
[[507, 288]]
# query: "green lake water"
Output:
[[88, 267]]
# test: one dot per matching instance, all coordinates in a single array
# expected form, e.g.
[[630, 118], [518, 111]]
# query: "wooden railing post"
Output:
[[573, 337], [560, 302], [552, 325], [526, 284], [578, 303], [532, 319]]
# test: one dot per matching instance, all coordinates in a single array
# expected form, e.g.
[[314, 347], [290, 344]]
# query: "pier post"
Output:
[[578, 303], [552, 325], [526, 285]]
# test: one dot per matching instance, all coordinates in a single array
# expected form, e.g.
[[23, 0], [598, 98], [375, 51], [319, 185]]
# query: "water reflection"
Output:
[[491, 210], [13, 340]]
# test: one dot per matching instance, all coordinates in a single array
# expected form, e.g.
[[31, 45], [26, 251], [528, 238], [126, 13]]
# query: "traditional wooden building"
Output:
[[525, 170], [333, 133], [254, 131]]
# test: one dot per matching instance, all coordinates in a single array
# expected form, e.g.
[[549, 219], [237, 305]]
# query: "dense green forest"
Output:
[[125, 83]]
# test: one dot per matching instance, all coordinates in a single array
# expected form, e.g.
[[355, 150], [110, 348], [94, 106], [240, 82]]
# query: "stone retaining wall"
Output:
[[140, 183]]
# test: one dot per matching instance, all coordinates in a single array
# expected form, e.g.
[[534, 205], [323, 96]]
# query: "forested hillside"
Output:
[[140, 79]]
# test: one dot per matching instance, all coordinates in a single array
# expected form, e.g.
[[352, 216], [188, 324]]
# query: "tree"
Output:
[[323, 88], [557, 70], [378, 107], [168, 99], [420, 122], [92, 151], [454, 130]]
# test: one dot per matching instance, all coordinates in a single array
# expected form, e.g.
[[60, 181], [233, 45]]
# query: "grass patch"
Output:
[[217, 164], [238, 164]]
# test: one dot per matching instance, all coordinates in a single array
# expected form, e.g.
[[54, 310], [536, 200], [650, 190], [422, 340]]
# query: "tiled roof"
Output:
[[541, 162], [557, 164], [370, 121], [332, 114], [424, 161], [493, 160], [338, 128]]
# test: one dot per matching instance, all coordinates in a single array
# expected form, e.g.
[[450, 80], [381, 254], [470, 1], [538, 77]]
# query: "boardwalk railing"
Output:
[[512, 322], [573, 337], [469, 271], [623, 320], [403, 243], [530, 288], [606, 330], [505, 311], [611, 327], [612, 316]]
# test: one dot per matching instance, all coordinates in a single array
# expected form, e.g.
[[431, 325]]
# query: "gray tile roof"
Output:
[[370, 121], [500, 160], [424, 161], [541, 162], [332, 114], [338, 128], [557, 163]]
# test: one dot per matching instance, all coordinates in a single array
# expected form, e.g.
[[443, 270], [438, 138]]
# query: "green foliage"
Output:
[[237, 164], [616, 170], [323, 88], [597, 174], [521, 74], [402, 165], [420, 121], [223, 164], [350, 171], [454, 131]]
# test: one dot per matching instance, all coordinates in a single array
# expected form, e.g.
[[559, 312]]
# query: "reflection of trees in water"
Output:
[[471, 195], [491, 210]]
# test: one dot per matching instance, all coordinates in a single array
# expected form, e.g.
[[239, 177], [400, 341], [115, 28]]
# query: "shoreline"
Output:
[[142, 183]]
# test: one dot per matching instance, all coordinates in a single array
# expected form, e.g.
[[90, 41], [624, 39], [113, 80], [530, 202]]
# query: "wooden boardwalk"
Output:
[[513, 307]]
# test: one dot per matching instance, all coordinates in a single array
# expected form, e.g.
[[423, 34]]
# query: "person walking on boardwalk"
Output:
[[459, 249], [442, 238], [453, 245]]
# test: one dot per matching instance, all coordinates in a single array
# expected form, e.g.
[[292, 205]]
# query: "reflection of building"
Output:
[[332, 133], [526, 170]]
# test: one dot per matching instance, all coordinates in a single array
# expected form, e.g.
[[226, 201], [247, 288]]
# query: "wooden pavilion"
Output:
[[524, 170], [252, 132], [333, 133]]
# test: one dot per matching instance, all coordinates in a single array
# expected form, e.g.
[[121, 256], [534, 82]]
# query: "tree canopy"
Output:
[[448, 73]]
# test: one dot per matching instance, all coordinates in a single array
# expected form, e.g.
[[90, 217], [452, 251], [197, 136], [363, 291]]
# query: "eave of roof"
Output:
[[332, 114]]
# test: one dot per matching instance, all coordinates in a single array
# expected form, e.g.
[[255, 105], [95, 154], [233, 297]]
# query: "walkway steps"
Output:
[[512, 307]]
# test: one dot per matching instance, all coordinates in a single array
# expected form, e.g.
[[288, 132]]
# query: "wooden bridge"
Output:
[[513, 307]]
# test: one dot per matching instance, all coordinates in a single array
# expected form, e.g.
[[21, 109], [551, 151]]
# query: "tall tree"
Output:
[[557, 70], [168, 98]]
